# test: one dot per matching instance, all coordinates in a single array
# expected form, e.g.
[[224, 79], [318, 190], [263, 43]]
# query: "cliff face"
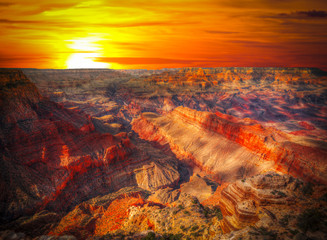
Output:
[[65, 167], [52, 157], [130, 212], [240, 201], [258, 143], [272, 204], [207, 150]]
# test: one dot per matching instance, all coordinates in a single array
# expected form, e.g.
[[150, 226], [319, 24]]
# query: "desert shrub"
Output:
[[150, 236], [211, 212], [309, 220], [194, 228], [170, 236], [217, 213], [182, 227], [206, 211], [195, 234], [187, 212], [195, 201]]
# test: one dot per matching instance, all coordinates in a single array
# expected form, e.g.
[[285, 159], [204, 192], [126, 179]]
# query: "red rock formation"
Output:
[[101, 215], [240, 202], [52, 157], [267, 143], [232, 75]]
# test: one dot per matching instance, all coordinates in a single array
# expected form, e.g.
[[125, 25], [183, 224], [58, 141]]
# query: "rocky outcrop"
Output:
[[153, 176], [190, 134], [198, 187], [100, 215], [165, 195], [206, 150], [131, 211], [273, 206], [240, 202], [56, 156], [53, 158]]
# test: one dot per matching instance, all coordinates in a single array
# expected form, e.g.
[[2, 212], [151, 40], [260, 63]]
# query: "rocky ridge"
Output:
[[58, 156], [265, 144], [53, 158]]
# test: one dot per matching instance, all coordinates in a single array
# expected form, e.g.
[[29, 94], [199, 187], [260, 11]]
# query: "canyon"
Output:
[[192, 153]]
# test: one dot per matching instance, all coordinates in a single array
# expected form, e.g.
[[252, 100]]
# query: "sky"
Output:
[[163, 34]]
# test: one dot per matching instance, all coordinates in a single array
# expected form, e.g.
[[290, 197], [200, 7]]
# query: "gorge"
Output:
[[190, 153]]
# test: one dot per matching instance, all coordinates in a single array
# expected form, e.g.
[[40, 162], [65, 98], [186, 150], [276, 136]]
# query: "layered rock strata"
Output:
[[241, 201], [53, 158], [214, 142]]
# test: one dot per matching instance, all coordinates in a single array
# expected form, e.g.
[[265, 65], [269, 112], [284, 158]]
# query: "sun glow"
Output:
[[85, 60], [87, 50]]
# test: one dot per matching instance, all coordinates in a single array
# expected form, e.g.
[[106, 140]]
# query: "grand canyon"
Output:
[[173, 153]]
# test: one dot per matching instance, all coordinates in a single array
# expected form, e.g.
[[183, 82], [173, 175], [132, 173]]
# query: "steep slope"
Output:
[[208, 150], [231, 148], [53, 158]]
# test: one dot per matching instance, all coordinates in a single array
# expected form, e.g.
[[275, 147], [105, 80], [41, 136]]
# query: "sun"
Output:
[[85, 60], [87, 50]]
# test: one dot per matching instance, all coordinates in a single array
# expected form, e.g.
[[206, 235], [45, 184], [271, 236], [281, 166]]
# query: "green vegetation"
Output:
[[213, 212], [195, 201], [150, 236], [194, 228], [183, 228], [170, 236], [195, 234], [187, 212]]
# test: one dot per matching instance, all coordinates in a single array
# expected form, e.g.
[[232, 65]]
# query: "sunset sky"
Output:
[[167, 33]]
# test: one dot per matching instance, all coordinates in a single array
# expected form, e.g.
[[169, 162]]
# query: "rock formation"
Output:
[[213, 143], [240, 201], [52, 157], [271, 204], [208, 153]]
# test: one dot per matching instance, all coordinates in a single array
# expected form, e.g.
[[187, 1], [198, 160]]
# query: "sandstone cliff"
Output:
[[274, 206], [214, 143], [53, 158]]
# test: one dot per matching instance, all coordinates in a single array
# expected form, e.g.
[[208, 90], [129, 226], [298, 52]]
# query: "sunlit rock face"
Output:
[[289, 99], [53, 158], [272, 205], [241, 200], [212, 153], [231, 148]]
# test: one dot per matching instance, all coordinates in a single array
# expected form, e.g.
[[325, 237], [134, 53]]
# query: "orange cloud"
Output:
[[164, 33]]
